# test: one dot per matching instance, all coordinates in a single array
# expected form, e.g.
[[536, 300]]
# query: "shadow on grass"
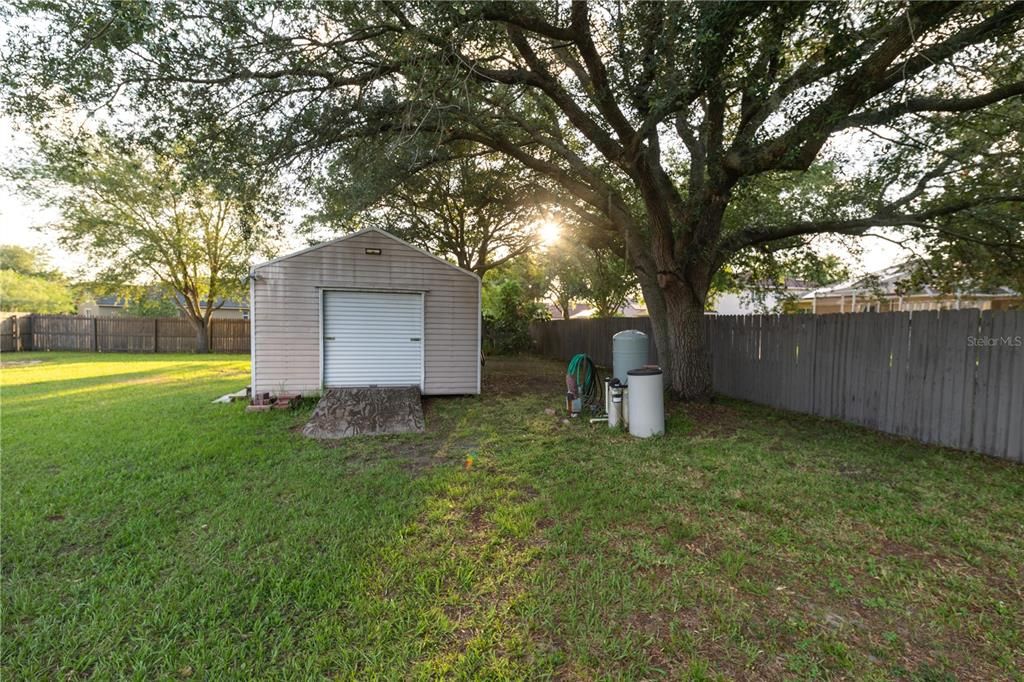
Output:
[[61, 389]]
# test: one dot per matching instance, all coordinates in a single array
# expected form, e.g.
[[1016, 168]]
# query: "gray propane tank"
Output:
[[646, 402], [629, 351]]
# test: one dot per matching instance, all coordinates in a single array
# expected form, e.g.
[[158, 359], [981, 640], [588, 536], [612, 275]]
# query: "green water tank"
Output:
[[629, 351]]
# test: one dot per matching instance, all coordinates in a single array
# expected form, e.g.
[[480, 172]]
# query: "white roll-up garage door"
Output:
[[372, 339]]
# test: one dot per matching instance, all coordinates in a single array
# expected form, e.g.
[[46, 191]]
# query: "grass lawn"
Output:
[[150, 533]]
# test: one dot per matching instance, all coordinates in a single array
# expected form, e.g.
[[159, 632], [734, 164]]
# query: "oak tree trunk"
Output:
[[677, 321], [655, 302], [689, 375]]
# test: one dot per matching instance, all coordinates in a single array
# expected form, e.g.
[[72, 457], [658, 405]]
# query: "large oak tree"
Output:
[[655, 122]]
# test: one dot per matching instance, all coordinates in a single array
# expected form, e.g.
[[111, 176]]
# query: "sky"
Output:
[[18, 214]]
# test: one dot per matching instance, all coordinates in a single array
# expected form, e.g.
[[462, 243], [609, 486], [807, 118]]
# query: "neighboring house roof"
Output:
[[583, 314], [789, 284], [763, 298], [886, 282], [222, 303], [581, 311], [110, 301], [120, 302], [356, 234], [556, 312]]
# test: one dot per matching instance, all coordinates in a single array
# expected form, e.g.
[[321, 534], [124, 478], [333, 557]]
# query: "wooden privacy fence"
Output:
[[952, 377], [13, 332], [563, 339], [118, 334]]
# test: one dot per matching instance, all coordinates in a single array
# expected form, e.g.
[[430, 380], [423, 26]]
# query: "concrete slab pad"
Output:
[[240, 394], [344, 412]]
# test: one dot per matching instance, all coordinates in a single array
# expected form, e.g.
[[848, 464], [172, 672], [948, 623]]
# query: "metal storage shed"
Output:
[[366, 309]]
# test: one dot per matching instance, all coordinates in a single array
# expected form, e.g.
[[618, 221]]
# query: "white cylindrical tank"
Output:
[[629, 351], [646, 402]]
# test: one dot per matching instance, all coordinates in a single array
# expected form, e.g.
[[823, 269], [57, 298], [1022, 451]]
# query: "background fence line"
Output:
[[950, 377], [117, 334]]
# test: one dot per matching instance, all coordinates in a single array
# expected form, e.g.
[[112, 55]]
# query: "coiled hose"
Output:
[[581, 379]]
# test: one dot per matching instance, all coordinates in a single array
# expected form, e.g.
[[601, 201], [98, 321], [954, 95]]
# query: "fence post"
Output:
[[95, 335], [31, 332], [156, 333]]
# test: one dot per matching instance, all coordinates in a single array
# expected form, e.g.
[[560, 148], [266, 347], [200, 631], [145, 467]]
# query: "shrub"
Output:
[[507, 316]]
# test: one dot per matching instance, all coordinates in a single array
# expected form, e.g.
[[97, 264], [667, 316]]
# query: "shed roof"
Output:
[[356, 234]]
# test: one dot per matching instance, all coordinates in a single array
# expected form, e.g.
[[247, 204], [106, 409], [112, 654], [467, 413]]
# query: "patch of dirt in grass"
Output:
[[53, 518], [797, 613], [914, 649], [69, 548], [859, 473], [499, 566], [461, 617], [415, 456], [710, 420], [512, 376], [891, 548], [892, 640], [695, 625], [477, 523]]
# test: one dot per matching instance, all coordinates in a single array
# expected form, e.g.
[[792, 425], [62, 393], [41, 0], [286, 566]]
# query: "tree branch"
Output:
[[761, 234], [932, 104]]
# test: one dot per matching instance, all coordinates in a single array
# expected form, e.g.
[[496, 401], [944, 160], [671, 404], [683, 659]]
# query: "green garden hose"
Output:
[[581, 379]]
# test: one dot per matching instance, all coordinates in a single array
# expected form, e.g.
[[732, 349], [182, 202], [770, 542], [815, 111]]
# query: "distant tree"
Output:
[[29, 284], [139, 218], [981, 247], [580, 271], [33, 294], [608, 281], [507, 312], [477, 211], [562, 267], [761, 278], [957, 265], [25, 261], [149, 302], [530, 271]]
